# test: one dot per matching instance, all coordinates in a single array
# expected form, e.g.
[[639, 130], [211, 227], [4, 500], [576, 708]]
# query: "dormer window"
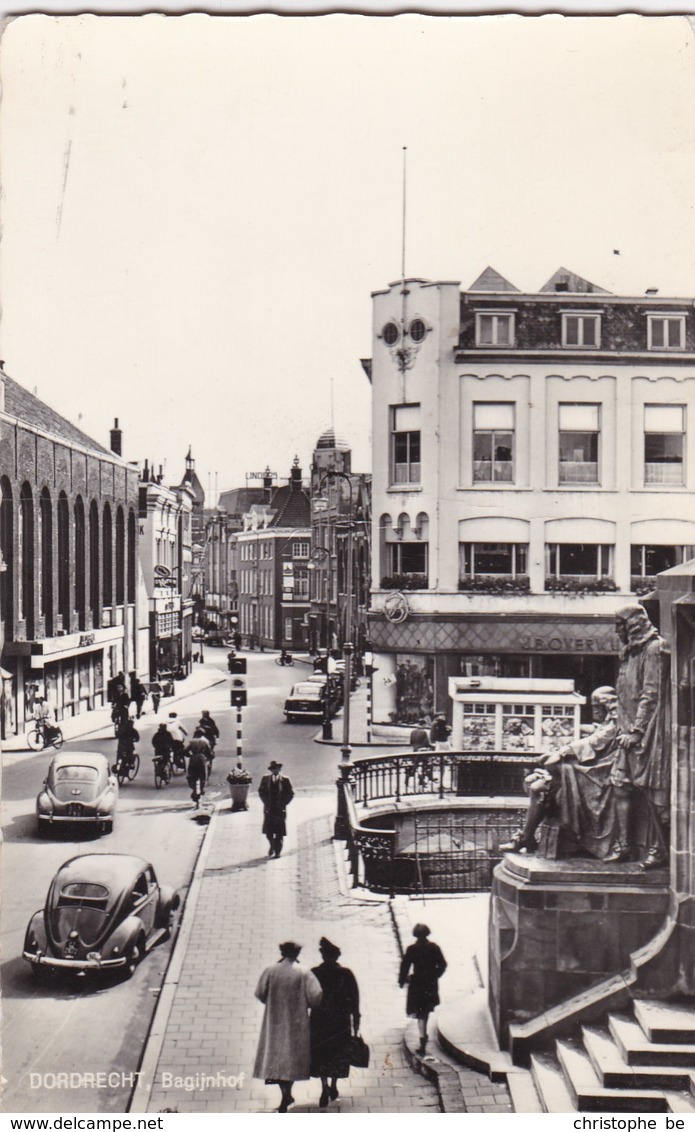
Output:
[[494, 329], [581, 330], [665, 332]]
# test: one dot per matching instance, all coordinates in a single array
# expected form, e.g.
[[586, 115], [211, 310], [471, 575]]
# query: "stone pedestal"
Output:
[[560, 927]]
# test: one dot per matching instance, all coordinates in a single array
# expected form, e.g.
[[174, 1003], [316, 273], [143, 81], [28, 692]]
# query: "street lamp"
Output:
[[341, 820]]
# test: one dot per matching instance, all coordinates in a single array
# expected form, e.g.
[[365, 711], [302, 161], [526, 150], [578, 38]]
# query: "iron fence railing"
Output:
[[439, 849]]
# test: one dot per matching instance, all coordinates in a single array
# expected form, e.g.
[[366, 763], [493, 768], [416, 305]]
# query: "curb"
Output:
[[106, 726], [156, 1033]]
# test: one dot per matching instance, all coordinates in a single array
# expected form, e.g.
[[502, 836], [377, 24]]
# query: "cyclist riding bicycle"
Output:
[[127, 738], [200, 744], [285, 657], [161, 742], [210, 730], [177, 734], [197, 766]]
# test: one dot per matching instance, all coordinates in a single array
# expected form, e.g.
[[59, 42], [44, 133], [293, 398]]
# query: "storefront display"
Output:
[[414, 688], [514, 715]]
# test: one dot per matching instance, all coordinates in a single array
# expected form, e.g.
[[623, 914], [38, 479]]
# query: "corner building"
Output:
[[533, 470]]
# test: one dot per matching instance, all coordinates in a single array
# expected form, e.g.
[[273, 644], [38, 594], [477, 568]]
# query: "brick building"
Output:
[[69, 544]]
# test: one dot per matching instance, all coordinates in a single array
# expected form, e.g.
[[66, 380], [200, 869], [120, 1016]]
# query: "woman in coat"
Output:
[[428, 966], [287, 991], [333, 1021]]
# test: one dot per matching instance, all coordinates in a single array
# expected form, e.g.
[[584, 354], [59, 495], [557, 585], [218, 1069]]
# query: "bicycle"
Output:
[[162, 769], [197, 791], [286, 661], [127, 766], [37, 738]]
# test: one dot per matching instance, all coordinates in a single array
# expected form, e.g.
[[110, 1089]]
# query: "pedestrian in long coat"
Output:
[[333, 1021], [288, 991], [428, 964], [276, 793]]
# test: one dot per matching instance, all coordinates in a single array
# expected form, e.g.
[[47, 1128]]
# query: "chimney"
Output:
[[116, 439]]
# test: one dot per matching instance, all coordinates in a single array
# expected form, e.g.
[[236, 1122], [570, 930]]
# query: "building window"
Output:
[[579, 560], [120, 557], [407, 564], [7, 552], [94, 595], [80, 558], [665, 332], [300, 549], [494, 329], [496, 559], [664, 444], [301, 584], [107, 551], [132, 556], [579, 443], [405, 444], [582, 330], [647, 561], [493, 442], [417, 330], [26, 542], [391, 333], [46, 515]]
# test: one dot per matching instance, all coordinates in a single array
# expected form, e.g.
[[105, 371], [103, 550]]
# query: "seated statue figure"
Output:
[[575, 785]]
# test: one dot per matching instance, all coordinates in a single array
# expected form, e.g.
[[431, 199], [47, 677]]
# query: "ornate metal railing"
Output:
[[443, 850]]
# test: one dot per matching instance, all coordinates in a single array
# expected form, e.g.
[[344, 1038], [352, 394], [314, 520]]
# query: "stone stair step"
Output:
[[637, 1049], [590, 1095], [550, 1084], [680, 1102], [669, 1022], [615, 1073], [523, 1091]]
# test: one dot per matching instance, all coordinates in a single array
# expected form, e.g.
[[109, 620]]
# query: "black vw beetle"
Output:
[[103, 911]]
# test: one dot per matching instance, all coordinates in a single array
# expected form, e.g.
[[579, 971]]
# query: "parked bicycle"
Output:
[[43, 736]]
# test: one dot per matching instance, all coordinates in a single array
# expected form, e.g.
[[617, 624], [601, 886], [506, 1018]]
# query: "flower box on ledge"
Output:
[[405, 582], [495, 584], [642, 585], [575, 586]]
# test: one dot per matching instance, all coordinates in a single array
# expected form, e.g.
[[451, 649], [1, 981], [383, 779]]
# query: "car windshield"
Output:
[[76, 774], [81, 908], [306, 692]]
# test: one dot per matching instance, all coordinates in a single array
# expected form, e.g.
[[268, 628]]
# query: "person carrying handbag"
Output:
[[333, 1021]]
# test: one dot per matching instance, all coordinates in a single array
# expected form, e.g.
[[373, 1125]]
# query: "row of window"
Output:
[[580, 331], [510, 560], [251, 550], [41, 533], [259, 583], [579, 443]]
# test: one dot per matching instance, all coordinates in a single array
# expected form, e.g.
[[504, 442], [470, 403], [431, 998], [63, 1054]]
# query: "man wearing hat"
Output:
[[276, 793]]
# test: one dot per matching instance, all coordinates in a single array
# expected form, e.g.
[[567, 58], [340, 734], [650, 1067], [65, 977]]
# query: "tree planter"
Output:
[[239, 792]]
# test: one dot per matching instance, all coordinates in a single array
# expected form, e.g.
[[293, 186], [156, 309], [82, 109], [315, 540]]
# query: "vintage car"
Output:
[[103, 911], [78, 790], [305, 700]]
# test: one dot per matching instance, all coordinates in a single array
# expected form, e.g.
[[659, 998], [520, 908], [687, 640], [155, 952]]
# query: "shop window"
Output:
[[665, 332], [493, 442], [518, 727], [582, 330], [579, 443], [479, 726], [46, 540], [414, 687], [405, 444], [494, 329], [648, 561], [80, 555], [120, 557], [664, 444], [7, 552]]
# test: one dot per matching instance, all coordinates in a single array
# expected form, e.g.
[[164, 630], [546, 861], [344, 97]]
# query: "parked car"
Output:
[[197, 634], [104, 911], [216, 640], [79, 789], [305, 700]]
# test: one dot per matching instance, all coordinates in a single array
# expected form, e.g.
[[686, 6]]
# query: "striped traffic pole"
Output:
[[369, 708], [238, 733]]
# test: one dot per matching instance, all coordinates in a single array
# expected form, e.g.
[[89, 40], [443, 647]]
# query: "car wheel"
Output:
[[133, 956], [107, 827], [290, 719], [170, 922]]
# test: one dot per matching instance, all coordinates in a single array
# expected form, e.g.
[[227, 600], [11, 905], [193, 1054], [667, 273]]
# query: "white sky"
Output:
[[195, 210]]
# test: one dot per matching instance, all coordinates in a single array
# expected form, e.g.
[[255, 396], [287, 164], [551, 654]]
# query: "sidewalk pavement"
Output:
[[242, 905], [99, 720]]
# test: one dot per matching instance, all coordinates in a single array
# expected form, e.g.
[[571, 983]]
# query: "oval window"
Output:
[[417, 330], [391, 333]]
